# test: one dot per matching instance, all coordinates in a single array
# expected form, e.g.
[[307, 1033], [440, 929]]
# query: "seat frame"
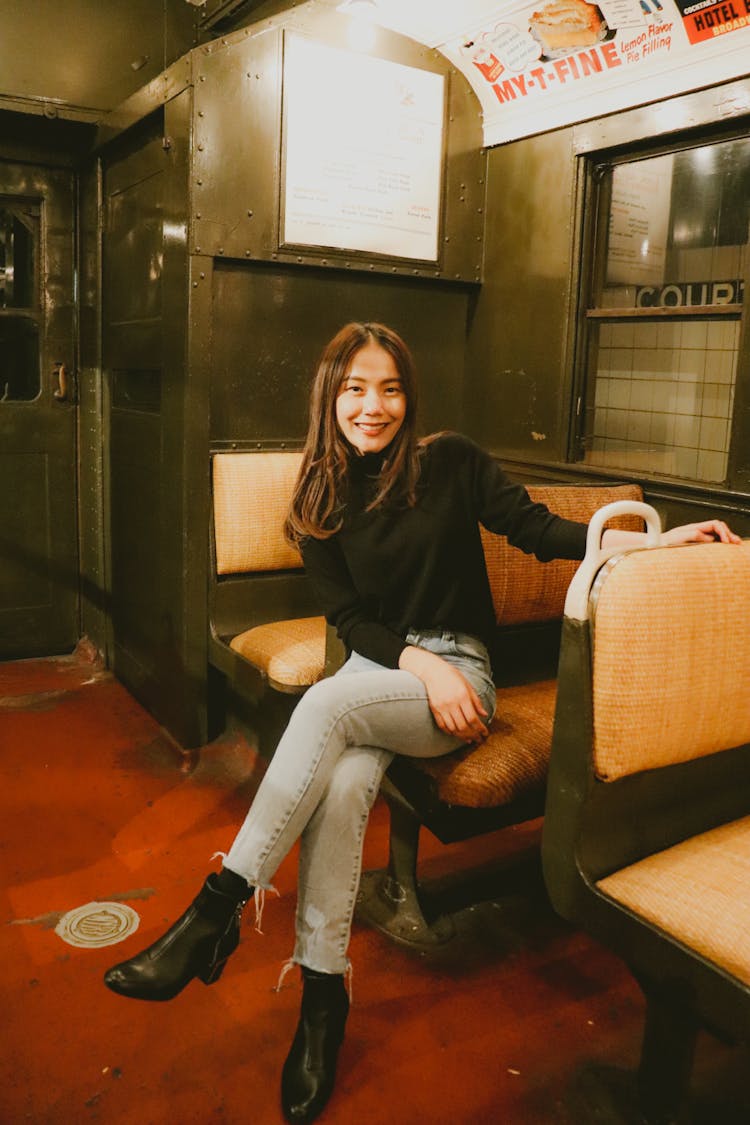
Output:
[[592, 828]]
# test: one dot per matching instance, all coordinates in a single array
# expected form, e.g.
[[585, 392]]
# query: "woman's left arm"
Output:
[[709, 531]]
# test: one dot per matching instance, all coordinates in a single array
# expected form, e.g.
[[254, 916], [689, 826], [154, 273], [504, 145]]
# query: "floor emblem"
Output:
[[97, 924]]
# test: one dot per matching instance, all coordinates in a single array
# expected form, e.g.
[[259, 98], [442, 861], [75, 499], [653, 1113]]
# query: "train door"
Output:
[[39, 607]]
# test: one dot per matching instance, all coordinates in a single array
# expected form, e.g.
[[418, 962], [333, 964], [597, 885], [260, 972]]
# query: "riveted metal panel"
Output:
[[270, 323], [236, 137], [517, 354], [236, 176]]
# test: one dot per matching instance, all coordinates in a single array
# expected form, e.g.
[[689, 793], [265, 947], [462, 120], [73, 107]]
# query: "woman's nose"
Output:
[[372, 404]]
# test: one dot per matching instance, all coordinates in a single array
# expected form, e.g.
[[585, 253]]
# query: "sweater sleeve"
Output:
[[343, 607], [506, 508]]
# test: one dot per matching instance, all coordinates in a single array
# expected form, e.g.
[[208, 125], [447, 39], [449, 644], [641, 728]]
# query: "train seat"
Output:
[[646, 834], [265, 632], [479, 789]]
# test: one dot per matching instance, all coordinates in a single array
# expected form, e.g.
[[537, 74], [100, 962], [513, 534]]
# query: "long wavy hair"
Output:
[[317, 502]]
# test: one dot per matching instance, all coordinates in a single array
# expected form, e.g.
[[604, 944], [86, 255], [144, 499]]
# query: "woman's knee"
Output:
[[356, 779], [321, 701]]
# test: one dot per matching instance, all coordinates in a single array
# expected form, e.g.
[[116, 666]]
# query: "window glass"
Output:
[[19, 303], [664, 322]]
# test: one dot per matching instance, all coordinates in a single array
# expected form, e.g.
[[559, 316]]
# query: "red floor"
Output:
[[98, 805]]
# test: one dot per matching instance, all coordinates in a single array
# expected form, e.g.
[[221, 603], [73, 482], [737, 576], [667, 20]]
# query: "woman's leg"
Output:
[[382, 709], [330, 860]]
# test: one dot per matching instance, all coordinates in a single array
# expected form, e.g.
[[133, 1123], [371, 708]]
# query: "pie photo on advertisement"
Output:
[[564, 25]]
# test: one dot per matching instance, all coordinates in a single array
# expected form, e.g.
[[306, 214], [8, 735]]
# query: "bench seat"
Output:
[[646, 832], [290, 653], [510, 763], [501, 782], [698, 892], [268, 641]]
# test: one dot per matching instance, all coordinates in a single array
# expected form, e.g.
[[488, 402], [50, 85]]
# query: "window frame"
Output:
[[594, 164]]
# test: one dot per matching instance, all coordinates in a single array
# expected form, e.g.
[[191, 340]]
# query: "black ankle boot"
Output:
[[310, 1069], [197, 945]]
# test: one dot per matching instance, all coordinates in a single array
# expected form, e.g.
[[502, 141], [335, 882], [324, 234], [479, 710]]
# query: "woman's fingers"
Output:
[[463, 719], [709, 531]]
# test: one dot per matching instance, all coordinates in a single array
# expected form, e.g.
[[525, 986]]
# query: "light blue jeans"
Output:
[[325, 774]]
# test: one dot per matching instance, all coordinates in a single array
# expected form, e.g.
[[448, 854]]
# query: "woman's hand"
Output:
[[707, 532], [455, 705]]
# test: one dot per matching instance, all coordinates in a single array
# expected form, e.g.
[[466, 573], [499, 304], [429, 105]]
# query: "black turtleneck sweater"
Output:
[[395, 569]]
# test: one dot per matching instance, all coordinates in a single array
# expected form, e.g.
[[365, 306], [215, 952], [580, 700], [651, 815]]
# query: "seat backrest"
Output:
[[526, 590], [671, 657], [251, 496]]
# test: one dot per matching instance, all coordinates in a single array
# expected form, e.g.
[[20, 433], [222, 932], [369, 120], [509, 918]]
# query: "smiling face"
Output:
[[371, 402]]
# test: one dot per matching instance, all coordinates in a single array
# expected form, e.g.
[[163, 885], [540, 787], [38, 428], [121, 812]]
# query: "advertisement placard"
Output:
[[543, 65]]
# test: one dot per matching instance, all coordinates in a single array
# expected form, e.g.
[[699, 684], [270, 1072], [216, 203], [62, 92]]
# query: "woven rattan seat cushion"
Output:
[[697, 891], [508, 764], [291, 653], [652, 612], [524, 589]]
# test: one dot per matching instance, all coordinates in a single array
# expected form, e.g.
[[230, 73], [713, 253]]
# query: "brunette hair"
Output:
[[317, 502]]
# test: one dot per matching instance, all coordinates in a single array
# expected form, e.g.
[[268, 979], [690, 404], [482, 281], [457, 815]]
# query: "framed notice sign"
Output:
[[363, 153]]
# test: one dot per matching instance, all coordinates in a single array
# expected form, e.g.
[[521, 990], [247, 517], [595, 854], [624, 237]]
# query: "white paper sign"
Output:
[[639, 222], [363, 153]]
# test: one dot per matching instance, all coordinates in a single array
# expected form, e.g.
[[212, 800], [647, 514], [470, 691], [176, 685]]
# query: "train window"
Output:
[[19, 302], [664, 311]]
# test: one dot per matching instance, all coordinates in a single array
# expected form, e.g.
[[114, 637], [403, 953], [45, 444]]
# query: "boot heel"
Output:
[[211, 973]]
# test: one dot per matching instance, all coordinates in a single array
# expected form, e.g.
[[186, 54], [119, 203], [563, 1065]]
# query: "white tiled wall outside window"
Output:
[[664, 397]]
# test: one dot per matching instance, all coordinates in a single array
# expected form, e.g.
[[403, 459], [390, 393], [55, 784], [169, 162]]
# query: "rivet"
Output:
[[195, 285], [200, 148], [197, 249], [200, 113], [202, 276], [199, 182], [221, 249], [249, 214], [248, 253], [198, 215]]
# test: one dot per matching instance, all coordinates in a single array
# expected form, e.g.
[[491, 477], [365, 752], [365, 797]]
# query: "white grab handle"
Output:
[[577, 599]]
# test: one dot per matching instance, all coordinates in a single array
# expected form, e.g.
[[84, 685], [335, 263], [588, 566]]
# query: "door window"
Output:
[[20, 311]]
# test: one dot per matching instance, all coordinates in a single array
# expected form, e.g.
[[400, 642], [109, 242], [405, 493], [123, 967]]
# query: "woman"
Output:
[[388, 530]]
